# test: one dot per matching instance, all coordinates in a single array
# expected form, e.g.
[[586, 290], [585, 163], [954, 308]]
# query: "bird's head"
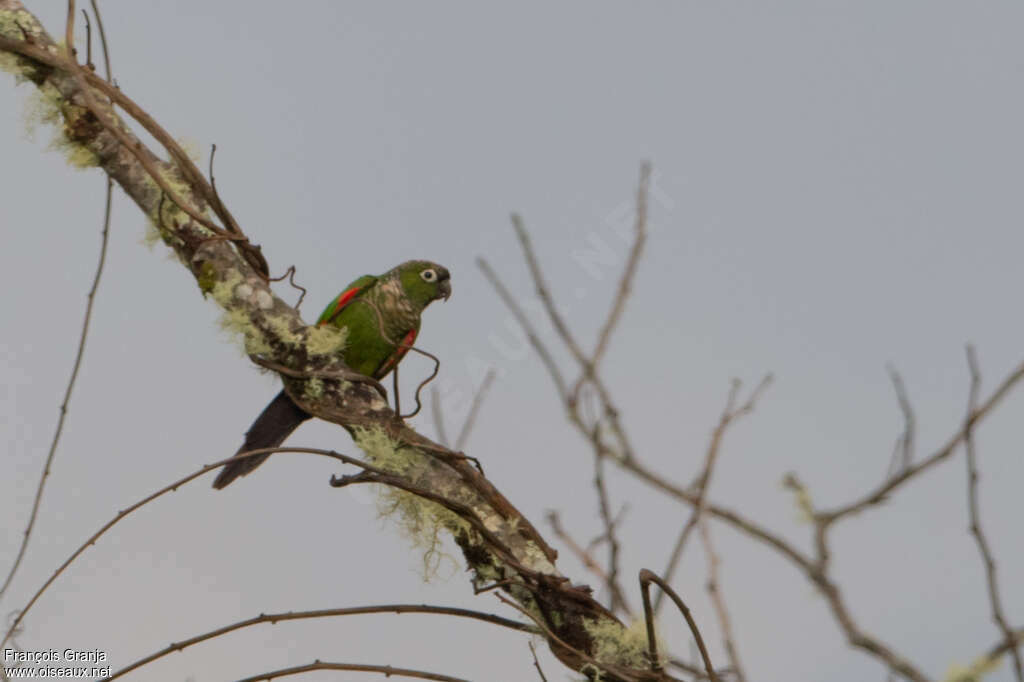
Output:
[[424, 282]]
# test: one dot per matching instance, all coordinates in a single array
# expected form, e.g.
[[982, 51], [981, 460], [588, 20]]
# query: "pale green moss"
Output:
[[166, 215], [281, 326], [977, 670], [801, 496], [223, 292], [13, 22], [326, 340], [313, 389], [487, 573], [11, 64], [41, 107], [237, 323], [617, 645], [77, 155], [45, 105], [420, 520], [153, 235], [383, 451], [537, 560]]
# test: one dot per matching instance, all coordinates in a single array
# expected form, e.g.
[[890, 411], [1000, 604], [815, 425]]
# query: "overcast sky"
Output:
[[837, 187]]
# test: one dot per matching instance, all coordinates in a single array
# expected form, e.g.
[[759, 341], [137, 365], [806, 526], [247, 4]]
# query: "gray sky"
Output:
[[837, 188]]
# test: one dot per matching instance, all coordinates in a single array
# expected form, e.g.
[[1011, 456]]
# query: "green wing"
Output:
[[351, 292]]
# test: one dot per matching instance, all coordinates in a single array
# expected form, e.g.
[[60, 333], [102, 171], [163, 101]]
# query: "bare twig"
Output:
[[906, 439], [544, 292], [438, 414], [474, 409], [618, 599], [536, 663], [1003, 646], [629, 273], [579, 552], [103, 39], [729, 416], [646, 578], [998, 615], [814, 568], [79, 354], [160, 493], [274, 618], [422, 385], [69, 30], [385, 670], [718, 601], [289, 273], [88, 42], [528, 328], [879, 494]]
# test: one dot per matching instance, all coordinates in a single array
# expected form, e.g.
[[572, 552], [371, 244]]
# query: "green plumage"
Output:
[[381, 314]]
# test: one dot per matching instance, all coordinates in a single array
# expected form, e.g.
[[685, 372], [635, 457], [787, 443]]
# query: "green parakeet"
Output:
[[382, 317]]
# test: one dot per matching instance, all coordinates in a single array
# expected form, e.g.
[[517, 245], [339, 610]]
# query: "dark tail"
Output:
[[275, 423]]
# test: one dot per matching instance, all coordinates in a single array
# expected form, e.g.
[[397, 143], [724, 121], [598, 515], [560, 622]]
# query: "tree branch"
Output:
[[385, 670], [998, 615], [274, 618]]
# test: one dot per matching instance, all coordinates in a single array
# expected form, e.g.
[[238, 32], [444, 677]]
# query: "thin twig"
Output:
[[714, 588], [474, 409], [998, 615], [881, 493], [385, 670], [906, 441], [629, 273], [103, 40], [1001, 647], [79, 354], [729, 416], [419, 389], [160, 493], [544, 292], [69, 31], [88, 42], [646, 578], [289, 273], [610, 410], [438, 414], [536, 663], [585, 558], [528, 328], [274, 618], [618, 599]]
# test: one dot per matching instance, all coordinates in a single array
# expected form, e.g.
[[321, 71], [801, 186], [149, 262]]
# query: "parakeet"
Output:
[[382, 317]]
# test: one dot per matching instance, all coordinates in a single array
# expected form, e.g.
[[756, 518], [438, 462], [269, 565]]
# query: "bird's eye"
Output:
[[429, 276]]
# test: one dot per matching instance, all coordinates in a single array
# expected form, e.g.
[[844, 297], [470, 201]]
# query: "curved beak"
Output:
[[446, 288]]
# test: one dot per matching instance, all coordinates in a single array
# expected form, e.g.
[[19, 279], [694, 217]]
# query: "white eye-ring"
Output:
[[429, 275]]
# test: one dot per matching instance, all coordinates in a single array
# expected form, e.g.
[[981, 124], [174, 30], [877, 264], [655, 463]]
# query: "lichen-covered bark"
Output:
[[498, 543]]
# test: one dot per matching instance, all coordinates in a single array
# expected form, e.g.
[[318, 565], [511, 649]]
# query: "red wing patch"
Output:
[[399, 353], [340, 302]]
